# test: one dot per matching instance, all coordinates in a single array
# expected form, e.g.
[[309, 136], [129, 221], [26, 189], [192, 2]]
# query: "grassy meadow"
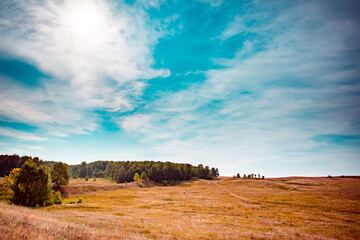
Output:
[[226, 208]]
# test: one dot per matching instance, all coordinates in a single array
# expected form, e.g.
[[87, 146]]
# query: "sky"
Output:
[[269, 87]]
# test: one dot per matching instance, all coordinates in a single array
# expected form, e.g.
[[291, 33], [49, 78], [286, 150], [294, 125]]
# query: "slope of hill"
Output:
[[283, 208]]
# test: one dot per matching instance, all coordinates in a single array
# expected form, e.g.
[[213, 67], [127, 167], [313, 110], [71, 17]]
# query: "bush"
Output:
[[87, 178], [94, 179], [80, 200], [57, 199]]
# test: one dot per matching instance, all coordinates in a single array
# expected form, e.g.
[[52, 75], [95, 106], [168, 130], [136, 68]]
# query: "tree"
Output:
[[32, 186], [237, 175], [60, 174], [83, 170], [9, 181], [136, 177], [143, 176]]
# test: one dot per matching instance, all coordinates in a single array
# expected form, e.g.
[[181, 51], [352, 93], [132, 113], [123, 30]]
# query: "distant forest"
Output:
[[120, 172]]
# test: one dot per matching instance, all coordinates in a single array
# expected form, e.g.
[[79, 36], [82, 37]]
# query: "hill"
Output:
[[227, 208]]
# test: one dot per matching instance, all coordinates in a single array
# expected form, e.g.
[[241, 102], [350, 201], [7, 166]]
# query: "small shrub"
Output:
[[87, 178], [94, 179], [283, 187], [80, 200], [57, 199], [72, 202], [342, 176]]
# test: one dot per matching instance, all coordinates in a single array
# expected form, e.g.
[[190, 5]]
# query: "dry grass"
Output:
[[80, 186], [285, 208]]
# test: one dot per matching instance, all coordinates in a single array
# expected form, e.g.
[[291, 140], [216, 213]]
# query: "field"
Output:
[[226, 208]]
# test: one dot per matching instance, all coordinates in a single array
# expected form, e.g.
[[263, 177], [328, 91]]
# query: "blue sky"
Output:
[[268, 87]]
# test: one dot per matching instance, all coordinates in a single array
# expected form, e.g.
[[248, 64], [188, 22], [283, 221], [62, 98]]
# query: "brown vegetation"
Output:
[[283, 208]]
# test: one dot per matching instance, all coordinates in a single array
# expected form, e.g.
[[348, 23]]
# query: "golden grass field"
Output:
[[226, 208]]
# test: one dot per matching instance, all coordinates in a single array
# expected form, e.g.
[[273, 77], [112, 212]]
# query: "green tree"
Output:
[[136, 177], [8, 193], [32, 186], [143, 176], [60, 174], [83, 170]]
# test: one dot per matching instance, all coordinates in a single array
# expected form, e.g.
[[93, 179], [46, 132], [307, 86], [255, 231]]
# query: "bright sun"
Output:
[[82, 20], [85, 22]]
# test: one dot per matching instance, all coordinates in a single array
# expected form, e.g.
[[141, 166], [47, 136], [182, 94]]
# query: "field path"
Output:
[[245, 202]]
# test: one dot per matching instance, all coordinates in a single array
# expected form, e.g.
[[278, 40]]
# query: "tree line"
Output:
[[9, 162], [125, 171], [119, 172]]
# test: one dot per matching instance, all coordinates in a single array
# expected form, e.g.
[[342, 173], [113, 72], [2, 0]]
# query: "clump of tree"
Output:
[[252, 175], [31, 185]]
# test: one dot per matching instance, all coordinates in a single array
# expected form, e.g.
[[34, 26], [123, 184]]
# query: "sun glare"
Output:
[[83, 20]]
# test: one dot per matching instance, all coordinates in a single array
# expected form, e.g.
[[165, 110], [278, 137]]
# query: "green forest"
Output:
[[119, 171]]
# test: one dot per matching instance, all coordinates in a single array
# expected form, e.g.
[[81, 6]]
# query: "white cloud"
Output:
[[213, 3], [268, 105], [235, 27], [21, 135], [136, 123], [34, 147], [94, 51]]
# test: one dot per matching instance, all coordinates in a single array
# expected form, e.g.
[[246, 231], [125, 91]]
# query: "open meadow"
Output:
[[225, 208]]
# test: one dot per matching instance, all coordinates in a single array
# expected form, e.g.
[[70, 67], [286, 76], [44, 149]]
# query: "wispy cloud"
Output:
[[21, 135], [253, 82], [286, 86], [34, 147], [94, 52], [213, 3]]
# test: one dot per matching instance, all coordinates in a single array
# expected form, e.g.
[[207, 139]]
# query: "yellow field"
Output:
[[285, 208]]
